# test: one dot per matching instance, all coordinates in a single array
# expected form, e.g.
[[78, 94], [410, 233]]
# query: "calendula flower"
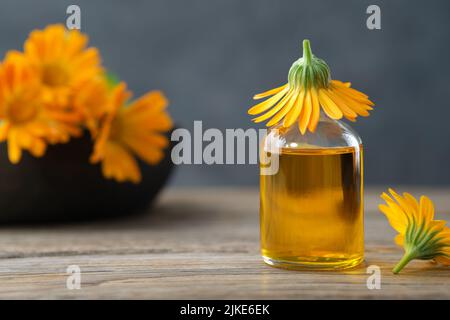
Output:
[[420, 235], [309, 89], [25, 121], [91, 100], [61, 60], [136, 129]]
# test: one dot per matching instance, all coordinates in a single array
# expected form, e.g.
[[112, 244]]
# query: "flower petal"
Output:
[[269, 93], [275, 109], [291, 112], [444, 260], [396, 220], [405, 207], [263, 106], [119, 164], [347, 111], [356, 106], [315, 110], [14, 151], [399, 239], [328, 105], [4, 128], [355, 95], [426, 208], [306, 113]]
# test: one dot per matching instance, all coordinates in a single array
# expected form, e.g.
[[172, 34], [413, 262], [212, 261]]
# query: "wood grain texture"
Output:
[[200, 244]]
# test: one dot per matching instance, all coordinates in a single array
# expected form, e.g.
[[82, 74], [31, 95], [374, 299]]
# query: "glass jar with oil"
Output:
[[311, 210]]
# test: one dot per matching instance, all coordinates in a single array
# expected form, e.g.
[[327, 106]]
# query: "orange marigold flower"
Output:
[[308, 89], [25, 121], [91, 99], [61, 60], [131, 130], [420, 235]]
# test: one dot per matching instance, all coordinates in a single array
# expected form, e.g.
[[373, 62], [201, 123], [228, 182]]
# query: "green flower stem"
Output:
[[307, 53], [407, 257], [308, 71]]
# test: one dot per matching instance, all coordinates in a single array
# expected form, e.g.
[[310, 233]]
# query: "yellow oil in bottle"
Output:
[[312, 209]]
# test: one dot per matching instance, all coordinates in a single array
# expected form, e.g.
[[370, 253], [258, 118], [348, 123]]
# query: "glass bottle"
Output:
[[311, 211]]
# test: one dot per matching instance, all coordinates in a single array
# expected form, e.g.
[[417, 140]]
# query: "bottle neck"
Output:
[[322, 118]]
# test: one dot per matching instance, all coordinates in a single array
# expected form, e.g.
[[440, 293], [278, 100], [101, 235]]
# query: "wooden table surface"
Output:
[[200, 244]]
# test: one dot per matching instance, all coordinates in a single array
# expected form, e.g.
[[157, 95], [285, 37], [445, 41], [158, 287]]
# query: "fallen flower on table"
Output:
[[420, 235]]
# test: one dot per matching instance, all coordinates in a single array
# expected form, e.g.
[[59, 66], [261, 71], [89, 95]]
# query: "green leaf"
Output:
[[112, 79]]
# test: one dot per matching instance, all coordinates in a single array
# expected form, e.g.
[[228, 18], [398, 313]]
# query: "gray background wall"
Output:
[[211, 56]]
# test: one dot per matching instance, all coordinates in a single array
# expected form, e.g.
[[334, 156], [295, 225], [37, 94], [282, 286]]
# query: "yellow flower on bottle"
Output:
[[129, 130], [308, 91], [26, 123], [61, 59], [420, 235]]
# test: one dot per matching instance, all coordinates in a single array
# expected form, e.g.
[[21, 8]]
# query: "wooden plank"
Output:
[[200, 244]]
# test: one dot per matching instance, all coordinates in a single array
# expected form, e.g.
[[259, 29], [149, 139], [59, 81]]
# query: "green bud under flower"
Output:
[[421, 242], [309, 71]]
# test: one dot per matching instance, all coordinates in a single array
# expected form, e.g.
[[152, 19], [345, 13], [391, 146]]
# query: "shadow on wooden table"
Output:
[[161, 216]]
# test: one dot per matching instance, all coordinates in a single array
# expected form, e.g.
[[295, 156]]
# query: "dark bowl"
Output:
[[63, 186]]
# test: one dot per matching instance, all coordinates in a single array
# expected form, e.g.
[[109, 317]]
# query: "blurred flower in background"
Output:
[[57, 88], [26, 122], [134, 129], [61, 60]]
